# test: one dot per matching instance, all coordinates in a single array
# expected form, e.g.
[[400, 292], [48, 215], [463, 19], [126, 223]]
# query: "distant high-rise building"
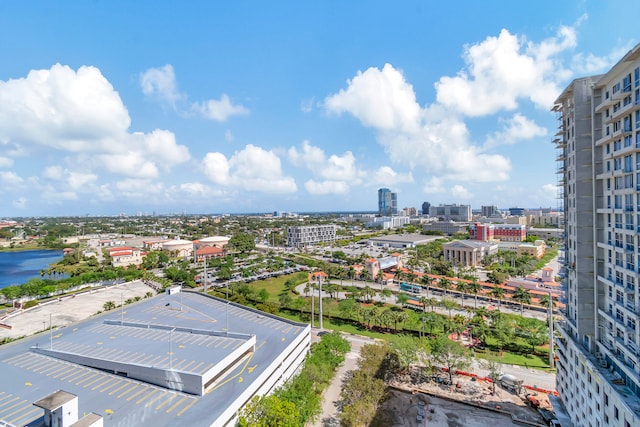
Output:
[[598, 369], [516, 211], [387, 202], [425, 208], [451, 212], [488, 211]]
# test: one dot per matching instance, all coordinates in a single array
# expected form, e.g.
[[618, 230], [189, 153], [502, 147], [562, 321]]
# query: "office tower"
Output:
[[451, 212], [387, 202], [425, 208], [598, 140], [488, 211], [304, 235]]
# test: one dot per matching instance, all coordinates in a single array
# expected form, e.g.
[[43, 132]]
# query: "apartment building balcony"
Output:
[[633, 348], [608, 102]]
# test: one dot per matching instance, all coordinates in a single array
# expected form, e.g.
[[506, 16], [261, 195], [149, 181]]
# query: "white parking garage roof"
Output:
[[168, 360]]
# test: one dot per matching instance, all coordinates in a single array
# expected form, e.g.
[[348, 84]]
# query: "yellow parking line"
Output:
[[109, 381], [6, 397], [127, 391], [27, 416], [151, 402], [60, 368], [100, 378], [228, 344], [14, 413], [44, 368], [187, 407], [116, 382], [184, 368], [175, 405], [21, 402], [137, 393], [166, 401], [126, 383], [88, 378], [73, 373], [195, 368], [146, 396]]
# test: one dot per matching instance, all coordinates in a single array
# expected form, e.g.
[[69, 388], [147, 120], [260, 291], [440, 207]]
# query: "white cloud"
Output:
[[385, 175], [434, 185], [10, 179], [501, 70], [79, 112], [515, 129], [381, 99], [219, 110], [63, 109], [132, 187], [19, 203], [5, 162], [425, 138], [306, 106], [161, 82], [161, 146], [589, 63], [228, 136], [326, 187], [550, 189], [252, 169], [459, 192]]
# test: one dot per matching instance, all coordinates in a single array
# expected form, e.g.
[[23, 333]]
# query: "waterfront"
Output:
[[18, 267]]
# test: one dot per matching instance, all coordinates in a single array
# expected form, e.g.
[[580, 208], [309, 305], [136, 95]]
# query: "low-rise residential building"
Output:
[[209, 252], [125, 256]]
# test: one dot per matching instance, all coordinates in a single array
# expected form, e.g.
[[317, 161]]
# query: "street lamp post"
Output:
[[312, 307]]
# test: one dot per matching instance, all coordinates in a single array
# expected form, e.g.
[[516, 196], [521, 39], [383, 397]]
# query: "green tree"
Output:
[[109, 305], [242, 242], [402, 298], [492, 364], [461, 287], [269, 411], [522, 296], [448, 304], [444, 284], [498, 293], [545, 299], [450, 355], [474, 288], [406, 350]]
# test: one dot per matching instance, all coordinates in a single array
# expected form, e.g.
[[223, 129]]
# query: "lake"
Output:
[[18, 267]]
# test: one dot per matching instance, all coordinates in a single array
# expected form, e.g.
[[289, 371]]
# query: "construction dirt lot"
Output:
[[417, 401]]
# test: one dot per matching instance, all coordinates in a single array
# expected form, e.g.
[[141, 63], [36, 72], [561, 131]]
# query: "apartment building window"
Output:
[[617, 144], [628, 141], [626, 83], [616, 125], [615, 89], [618, 182], [626, 123], [616, 415], [636, 76], [626, 101], [617, 164], [637, 96]]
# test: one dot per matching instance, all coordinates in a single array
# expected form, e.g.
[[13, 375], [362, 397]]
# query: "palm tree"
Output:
[[444, 284], [498, 293], [449, 304], [545, 299], [474, 287], [402, 298], [426, 281], [109, 305], [351, 273], [461, 287], [522, 296], [424, 301]]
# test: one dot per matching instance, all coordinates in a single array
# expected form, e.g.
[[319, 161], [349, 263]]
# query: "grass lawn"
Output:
[[275, 285]]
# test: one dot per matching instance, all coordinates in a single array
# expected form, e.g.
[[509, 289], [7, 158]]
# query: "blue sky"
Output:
[[205, 107]]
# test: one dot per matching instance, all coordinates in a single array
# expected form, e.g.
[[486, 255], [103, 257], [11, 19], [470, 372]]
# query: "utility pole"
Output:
[[312, 298], [320, 299]]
